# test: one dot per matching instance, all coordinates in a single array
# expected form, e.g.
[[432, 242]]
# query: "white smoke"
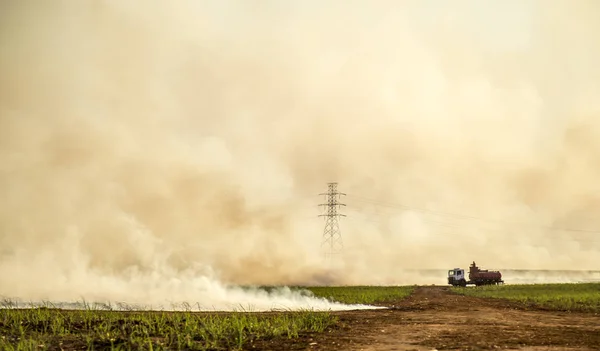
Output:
[[152, 150]]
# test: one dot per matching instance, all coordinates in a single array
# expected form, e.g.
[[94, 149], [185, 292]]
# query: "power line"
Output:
[[443, 228], [332, 237], [388, 217], [463, 216]]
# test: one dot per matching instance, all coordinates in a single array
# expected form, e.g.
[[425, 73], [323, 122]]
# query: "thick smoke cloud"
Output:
[[148, 143]]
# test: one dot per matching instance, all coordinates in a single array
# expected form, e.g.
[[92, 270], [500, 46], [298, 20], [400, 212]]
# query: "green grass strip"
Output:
[[364, 295], [583, 297]]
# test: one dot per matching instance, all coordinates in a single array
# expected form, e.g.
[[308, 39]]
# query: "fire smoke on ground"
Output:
[[150, 149]]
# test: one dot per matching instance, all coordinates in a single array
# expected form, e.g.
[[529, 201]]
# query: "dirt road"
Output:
[[434, 319]]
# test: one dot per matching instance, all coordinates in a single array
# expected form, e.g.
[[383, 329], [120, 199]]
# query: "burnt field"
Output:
[[528, 317]]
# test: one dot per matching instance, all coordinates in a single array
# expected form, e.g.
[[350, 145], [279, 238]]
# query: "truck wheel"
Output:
[[463, 283]]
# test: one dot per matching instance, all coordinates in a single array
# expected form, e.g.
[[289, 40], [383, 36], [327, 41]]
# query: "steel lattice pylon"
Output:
[[332, 237]]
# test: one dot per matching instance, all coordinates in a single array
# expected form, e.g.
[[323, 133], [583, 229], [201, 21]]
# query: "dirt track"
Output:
[[433, 318]]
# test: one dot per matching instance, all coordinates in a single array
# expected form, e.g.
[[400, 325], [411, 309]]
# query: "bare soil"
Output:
[[435, 319]]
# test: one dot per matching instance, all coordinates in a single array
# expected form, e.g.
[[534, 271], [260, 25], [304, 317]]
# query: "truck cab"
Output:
[[456, 277]]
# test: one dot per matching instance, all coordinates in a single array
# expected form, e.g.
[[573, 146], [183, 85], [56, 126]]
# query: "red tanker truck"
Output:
[[456, 277]]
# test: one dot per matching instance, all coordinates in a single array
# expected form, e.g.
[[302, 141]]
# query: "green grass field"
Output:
[[42, 328], [362, 294], [53, 329], [583, 297]]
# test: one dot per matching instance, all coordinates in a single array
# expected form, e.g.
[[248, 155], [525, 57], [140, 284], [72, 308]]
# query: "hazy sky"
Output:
[[186, 142], [498, 25]]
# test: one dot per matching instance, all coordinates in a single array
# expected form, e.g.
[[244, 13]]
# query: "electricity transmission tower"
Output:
[[332, 237]]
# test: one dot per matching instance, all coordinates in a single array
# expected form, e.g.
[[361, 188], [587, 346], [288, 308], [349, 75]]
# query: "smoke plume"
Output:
[[149, 149]]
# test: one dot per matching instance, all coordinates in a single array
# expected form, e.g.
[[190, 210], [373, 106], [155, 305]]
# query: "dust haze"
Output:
[[152, 149]]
